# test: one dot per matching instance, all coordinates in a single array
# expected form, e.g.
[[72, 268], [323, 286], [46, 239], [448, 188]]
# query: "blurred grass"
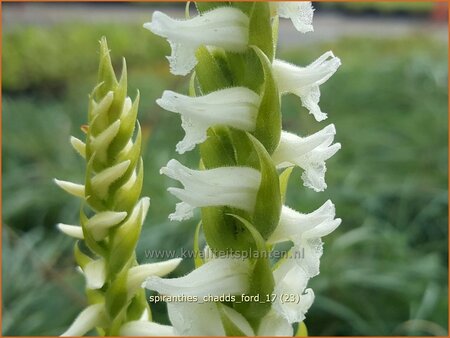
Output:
[[384, 272]]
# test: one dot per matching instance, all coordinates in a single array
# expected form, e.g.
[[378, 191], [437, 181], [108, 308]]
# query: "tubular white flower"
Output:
[[217, 277], [74, 231], [89, 318], [137, 274], [300, 13], [235, 107], [291, 279], [226, 186], [309, 153], [305, 81], [141, 328], [295, 226], [224, 27]]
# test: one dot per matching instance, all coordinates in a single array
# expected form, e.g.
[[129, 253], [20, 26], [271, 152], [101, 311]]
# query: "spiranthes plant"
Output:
[[232, 112], [112, 214]]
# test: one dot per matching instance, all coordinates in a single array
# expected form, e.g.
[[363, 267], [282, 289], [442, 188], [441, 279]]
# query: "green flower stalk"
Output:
[[112, 214], [233, 113]]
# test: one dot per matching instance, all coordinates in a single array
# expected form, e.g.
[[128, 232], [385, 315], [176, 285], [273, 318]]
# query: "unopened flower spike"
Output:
[[112, 212], [234, 117]]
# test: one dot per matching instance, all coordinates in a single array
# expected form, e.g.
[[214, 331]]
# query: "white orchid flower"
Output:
[[309, 153], [224, 27], [305, 81], [204, 319], [294, 226], [225, 275], [235, 107], [291, 279], [226, 186], [300, 13]]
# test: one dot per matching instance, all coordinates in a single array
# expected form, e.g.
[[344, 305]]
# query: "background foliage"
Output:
[[384, 271]]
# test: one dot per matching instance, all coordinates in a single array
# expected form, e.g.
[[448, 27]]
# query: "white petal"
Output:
[[104, 179], [224, 27], [139, 328], [294, 225], [79, 146], [226, 186], [309, 153], [137, 274], [216, 277], [273, 325], [194, 319], [312, 250], [88, 319], [300, 13], [235, 107], [304, 82], [71, 230], [72, 188], [95, 273]]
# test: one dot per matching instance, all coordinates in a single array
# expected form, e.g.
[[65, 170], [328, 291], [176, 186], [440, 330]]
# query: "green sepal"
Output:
[[302, 330], [275, 28], [203, 7], [198, 261], [217, 151], [224, 233], [284, 180], [260, 28], [268, 199], [268, 121], [231, 329], [106, 73], [137, 306], [116, 296], [244, 150], [261, 280], [100, 248], [126, 197], [120, 94], [123, 243], [127, 125], [209, 73], [192, 91]]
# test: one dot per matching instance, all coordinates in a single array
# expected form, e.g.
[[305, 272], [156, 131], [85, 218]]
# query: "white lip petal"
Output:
[[300, 13], [226, 186], [309, 153], [235, 107], [140, 328], [294, 225], [305, 81], [217, 277], [275, 325], [224, 27]]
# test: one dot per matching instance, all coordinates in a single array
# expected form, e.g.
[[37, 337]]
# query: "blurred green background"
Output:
[[384, 271]]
